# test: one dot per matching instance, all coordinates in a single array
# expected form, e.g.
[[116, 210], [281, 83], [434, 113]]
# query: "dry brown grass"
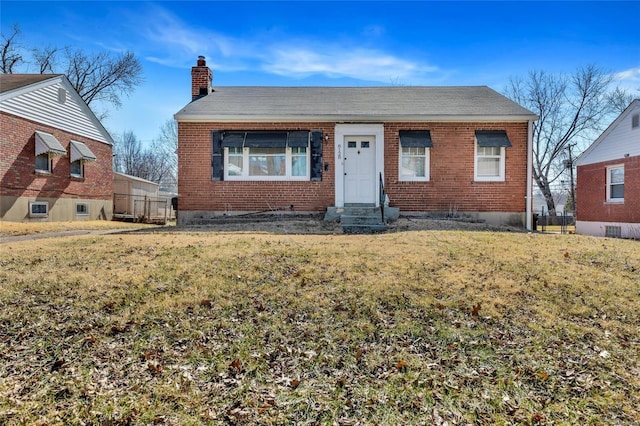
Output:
[[417, 327], [31, 228]]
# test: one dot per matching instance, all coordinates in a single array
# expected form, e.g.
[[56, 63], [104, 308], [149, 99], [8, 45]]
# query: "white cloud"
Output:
[[178, 43], [363, 64], [629, 79]]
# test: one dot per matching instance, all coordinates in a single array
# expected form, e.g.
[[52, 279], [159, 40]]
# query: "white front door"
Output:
[[360, 170]]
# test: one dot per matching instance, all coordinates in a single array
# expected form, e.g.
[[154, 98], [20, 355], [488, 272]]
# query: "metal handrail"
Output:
[[382, 197]]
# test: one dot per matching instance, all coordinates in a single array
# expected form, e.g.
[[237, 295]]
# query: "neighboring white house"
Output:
[[608, 180]]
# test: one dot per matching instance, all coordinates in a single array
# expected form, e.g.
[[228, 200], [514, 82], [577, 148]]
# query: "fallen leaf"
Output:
[[475, 310], [236, 365], [542, 375]]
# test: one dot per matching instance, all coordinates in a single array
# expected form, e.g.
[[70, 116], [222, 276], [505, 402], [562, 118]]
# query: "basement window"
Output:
[[613, 231], [82, 209], [38, 209]]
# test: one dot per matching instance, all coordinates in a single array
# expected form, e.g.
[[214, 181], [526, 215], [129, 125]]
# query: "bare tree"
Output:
[[11, 56], [98, 77], [132, 158], [101, 76], [166, 144], [45, 58], [127, 153], [572, 111]]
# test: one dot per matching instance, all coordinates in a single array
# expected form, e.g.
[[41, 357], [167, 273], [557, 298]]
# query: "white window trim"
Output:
[[82, 214], [609, 168], [501, 175], [49, 164], [76, 175], [38, 203], [427, 172], [245, 168]]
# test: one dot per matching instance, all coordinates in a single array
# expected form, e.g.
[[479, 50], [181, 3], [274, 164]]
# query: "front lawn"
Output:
[[417, 327]]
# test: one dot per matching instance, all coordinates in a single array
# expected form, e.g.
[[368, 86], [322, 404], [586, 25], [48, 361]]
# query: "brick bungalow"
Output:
[[608, 180], [56, 162], [438, 150]]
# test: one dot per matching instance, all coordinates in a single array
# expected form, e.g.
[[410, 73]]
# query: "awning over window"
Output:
[[415, 138], [492, 138], [80, 151], [266, 140], [47, 143], [233, 140], [298, 139]]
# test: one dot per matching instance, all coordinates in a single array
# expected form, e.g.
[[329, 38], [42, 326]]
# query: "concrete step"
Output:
[[361, 219], [364, 229]]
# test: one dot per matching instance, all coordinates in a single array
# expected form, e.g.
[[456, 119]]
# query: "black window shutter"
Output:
[[316, 155], [216, 159]]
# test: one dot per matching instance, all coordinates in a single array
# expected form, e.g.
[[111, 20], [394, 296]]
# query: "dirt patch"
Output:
[[316, 225]]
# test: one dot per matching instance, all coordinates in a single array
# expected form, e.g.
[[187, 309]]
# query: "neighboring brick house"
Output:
[[608, 180], [56, 162], [439, 150]]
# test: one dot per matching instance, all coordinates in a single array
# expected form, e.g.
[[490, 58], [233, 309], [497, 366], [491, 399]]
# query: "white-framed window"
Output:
[[43, 163], [490, 155], [615, 183], [77, 168], [415, 147], [489, 163], [263, 163], [46, 147], [82, 209], [38, 209], [266, 155], [414, 163]]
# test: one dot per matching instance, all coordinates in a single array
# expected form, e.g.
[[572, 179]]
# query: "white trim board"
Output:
[[361, 129]]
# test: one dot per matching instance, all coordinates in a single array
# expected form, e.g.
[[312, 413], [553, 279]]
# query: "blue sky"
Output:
[[332, 43]]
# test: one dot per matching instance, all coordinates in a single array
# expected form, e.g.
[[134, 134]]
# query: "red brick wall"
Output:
[[200, 78], [17, 164], [452, 158], [452, 182], [198, 191], [591, 195]]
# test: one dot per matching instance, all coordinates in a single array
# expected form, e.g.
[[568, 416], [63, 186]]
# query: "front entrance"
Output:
[[360, 170]]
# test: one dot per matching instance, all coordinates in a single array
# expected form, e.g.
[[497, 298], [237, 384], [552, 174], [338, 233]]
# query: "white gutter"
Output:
[[529, 196], [344, 118]]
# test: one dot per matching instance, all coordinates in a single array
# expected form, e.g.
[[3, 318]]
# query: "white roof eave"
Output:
[[240, 118]]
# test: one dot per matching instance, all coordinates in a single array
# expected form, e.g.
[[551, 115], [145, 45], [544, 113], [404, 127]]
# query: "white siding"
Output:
[[43, 106], [616, 142]]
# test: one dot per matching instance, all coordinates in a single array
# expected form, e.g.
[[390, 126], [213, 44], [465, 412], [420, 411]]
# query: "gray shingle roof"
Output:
[[244, 103], [15, 81]]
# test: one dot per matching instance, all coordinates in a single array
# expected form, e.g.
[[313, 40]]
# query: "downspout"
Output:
[[529, 195]]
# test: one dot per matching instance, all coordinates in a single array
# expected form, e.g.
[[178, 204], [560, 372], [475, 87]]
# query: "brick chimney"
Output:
[[201, 79]]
